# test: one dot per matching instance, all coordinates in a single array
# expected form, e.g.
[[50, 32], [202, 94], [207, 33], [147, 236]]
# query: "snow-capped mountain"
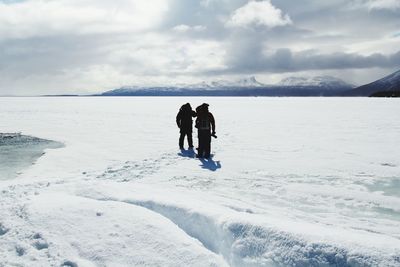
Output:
[[202, 84], [293, 86], [327, 82], [245, 82], [388, 83]]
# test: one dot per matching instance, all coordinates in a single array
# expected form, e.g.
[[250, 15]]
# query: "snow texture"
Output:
[[292, 182]]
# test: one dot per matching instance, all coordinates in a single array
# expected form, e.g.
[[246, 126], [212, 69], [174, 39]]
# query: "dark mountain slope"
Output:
[[388, 83]]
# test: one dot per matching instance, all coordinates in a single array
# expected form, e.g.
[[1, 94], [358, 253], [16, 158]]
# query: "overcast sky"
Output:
[[86, 46]]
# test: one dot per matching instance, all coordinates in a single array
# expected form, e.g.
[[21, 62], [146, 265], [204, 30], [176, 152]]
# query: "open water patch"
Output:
[[18, 152]]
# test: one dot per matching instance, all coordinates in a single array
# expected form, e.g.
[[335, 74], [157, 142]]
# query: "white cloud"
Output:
[[88, 64], [376, 4], [199, 28], [182, 28], [383, 4], [208, 3], [260, 13], [43, 18]]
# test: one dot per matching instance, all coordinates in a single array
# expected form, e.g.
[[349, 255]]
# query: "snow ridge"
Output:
[[243, 243]]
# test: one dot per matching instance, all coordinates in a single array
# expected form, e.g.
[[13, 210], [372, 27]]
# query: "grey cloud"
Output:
[[340, 17], [316, 23], [284, 60], [48, 54]]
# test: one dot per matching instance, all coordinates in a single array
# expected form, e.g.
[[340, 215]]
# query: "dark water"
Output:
[[18, 152]]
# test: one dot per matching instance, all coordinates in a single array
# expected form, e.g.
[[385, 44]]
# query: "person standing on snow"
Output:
[[205, 125], [185, 124]]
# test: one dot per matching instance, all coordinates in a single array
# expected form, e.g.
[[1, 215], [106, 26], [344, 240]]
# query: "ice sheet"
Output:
[[292, 182]]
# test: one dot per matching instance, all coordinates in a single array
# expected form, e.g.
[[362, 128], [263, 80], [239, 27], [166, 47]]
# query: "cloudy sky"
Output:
[[86, 46]]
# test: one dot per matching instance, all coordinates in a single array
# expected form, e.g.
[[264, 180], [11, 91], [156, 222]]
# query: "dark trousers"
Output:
[[204, 143], [189, 138]]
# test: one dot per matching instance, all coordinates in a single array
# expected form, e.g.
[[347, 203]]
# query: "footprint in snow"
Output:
[[20, 251], [68, 263], [40, 243], [132, 170], [388, 164], [3, 229]]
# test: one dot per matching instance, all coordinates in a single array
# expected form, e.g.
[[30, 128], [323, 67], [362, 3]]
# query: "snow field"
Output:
[[293, 182]]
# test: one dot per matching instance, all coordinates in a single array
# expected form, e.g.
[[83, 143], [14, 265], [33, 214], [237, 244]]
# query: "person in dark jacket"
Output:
[[185, 124], [205, 125]]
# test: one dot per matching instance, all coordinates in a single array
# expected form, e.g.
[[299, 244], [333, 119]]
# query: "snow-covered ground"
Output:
[[293, 182]]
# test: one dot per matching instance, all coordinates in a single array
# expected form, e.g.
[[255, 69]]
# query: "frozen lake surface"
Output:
[[293, 182]]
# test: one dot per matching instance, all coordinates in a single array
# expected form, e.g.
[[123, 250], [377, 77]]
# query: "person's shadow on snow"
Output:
[[210, 164], [187, 153], [206, 163]]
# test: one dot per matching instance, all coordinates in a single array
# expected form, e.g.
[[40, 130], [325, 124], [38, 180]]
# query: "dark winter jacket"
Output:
[[184, 118], [205, 120]]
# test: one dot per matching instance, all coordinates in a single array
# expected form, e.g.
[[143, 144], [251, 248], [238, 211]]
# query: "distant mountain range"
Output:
[[291, 86], [246, 82], [387, 86], [326, 82]]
